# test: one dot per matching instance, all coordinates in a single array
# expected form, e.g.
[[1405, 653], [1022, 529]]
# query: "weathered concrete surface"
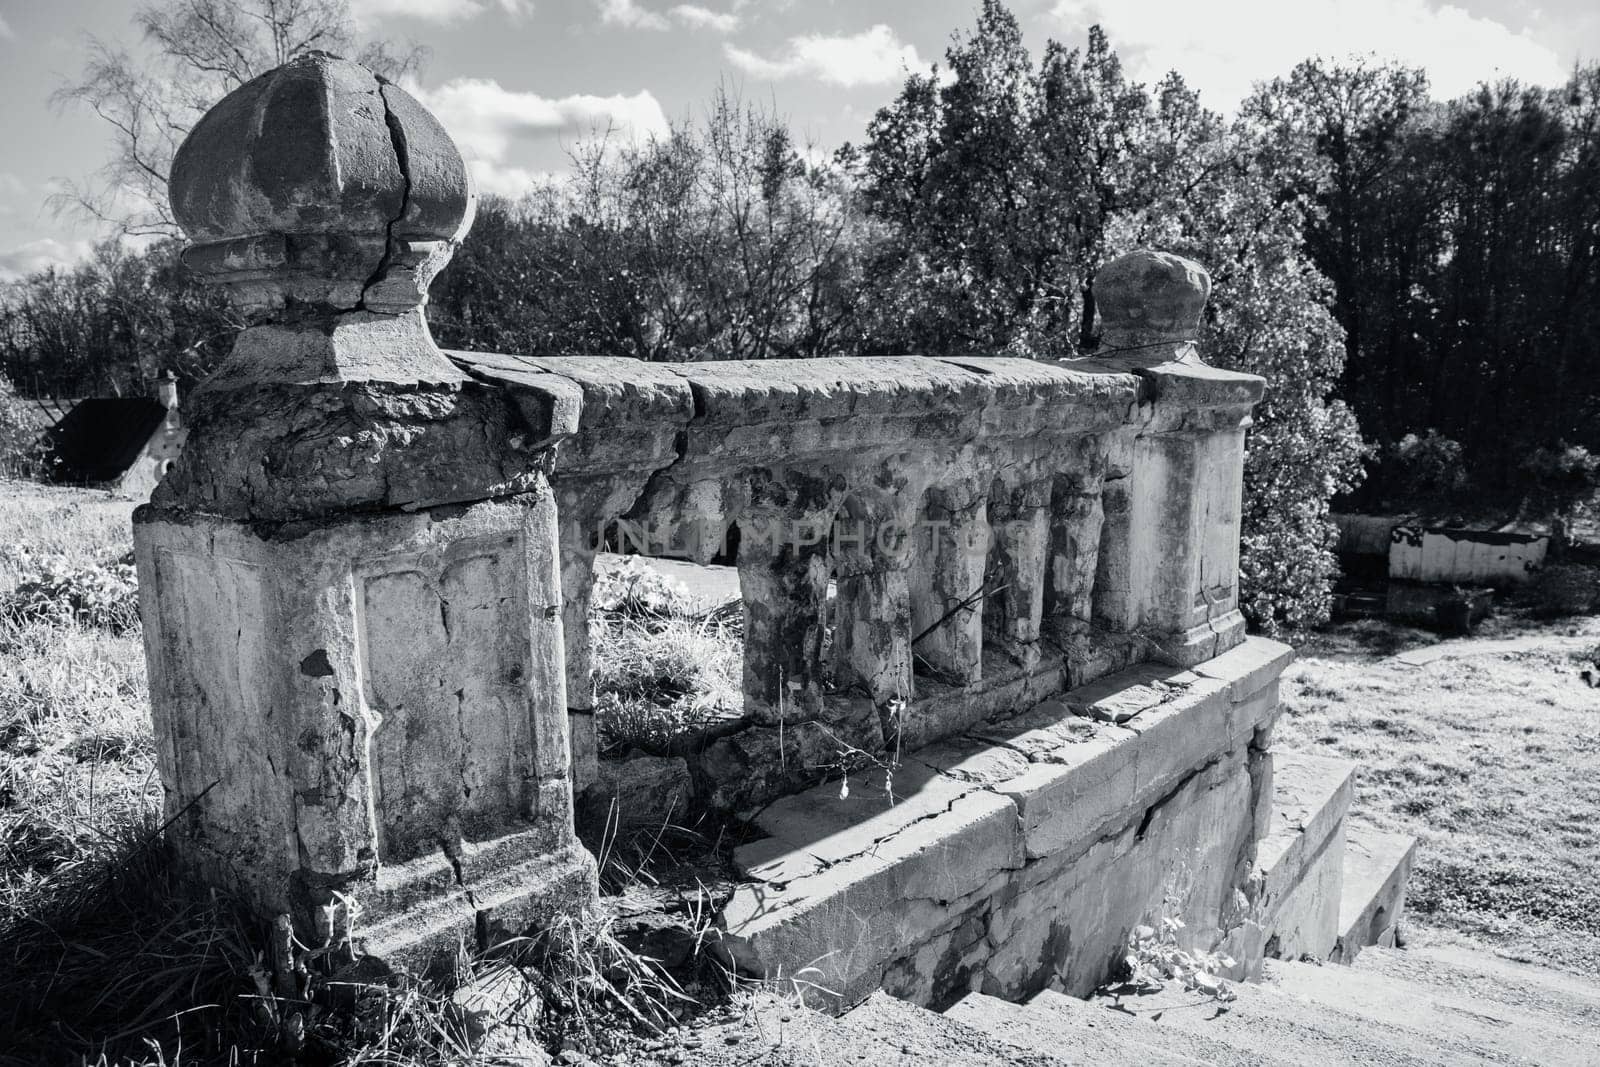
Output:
[[336, 701], [1377, 867], [1394, 1009], [1018, 855], [1295, 888]]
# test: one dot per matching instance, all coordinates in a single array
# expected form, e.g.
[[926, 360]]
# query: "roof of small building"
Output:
[[99, 439]]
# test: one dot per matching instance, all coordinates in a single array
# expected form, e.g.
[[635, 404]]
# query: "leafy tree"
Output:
[[717, 241], [198, 52], [1009, 185], [112, 324]]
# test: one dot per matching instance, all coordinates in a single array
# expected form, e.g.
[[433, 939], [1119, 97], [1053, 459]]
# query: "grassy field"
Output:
[[1492, 761]]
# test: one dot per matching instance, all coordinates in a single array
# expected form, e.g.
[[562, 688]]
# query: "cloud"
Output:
[[872, 57], [489, 121], [6, 32], [38, 255], [630, 15], [511, 182], [11, 185], [1222, 50], [702, 18], [441, 11]]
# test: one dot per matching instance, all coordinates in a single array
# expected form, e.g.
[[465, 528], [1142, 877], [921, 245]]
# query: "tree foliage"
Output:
[[112, 324], [1008, 185], [1464, 242], [717, 241]]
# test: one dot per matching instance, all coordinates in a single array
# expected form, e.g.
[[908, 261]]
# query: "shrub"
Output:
[[103, 596], [1427, 472], [24, 452]]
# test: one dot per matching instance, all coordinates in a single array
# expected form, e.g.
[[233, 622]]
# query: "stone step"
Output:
[[1376, 868], [1092, 1035], [1497, 1012], [1566, 1000], [1307, 1015], [1299, 873], [881, 1030]]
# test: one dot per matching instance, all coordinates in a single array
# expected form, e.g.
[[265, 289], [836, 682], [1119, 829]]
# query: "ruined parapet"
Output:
[[996, 530], [350, 580]]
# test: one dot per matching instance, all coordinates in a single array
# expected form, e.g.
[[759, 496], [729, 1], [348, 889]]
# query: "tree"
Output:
[[200, 50], [716, 241], [112, 324], [1008, 186]]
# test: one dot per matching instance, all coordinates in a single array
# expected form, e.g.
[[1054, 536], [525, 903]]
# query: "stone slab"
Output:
[[1377, 867], [1249, 667], [948, 870], [1296, 886]]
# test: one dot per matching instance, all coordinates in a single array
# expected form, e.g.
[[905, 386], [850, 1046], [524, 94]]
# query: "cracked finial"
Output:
[[1150, 302], [320, 188]]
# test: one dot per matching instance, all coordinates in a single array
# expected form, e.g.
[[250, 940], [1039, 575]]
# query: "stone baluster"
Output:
[[1020, 524], [349, 581], [874, 542], [948, 587], [1077, 513], [1168, 565], [783, 565]]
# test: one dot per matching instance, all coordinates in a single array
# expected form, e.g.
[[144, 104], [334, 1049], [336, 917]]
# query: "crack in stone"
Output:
[[397, 139]]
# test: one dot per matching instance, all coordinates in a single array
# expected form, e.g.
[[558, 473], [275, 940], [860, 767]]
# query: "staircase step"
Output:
[[1478, 1015], [1563, 999], [1376, 868], [901, 1033], [1092, 1034], [1275, 1024], [1300, 859], [883, 1031]]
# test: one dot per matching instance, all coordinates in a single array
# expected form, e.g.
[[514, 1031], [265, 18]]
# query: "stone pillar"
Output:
[[349, 581], [1169, 560]]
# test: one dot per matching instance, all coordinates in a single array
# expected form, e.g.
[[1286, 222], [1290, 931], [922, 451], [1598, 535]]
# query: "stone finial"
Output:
[[1151, 300], [321, 188]]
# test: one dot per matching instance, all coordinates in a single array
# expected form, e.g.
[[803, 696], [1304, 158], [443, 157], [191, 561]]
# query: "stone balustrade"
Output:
[[996, 530], [366, 582]]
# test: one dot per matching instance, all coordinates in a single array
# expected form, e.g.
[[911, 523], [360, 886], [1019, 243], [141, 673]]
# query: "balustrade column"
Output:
[[949, 589], [349, 580], [873, 627], [1170, 566], [1020, 526]]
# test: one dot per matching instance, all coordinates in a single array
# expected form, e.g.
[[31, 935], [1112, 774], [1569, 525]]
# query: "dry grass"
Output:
[[660, 668], [1491, 761]]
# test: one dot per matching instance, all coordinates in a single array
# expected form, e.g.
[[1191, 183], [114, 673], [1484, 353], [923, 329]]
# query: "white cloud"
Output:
[[511, 182], [488, 121], [872, 57], [6, 33], [1222, 49], [37, 255], [630, 15], [441, 11], [702, 18]]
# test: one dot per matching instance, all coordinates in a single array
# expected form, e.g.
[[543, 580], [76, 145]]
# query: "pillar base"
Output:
[[1199, 643]]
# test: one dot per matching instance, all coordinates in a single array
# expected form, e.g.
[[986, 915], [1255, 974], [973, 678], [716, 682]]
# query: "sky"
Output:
[[518, 82]]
